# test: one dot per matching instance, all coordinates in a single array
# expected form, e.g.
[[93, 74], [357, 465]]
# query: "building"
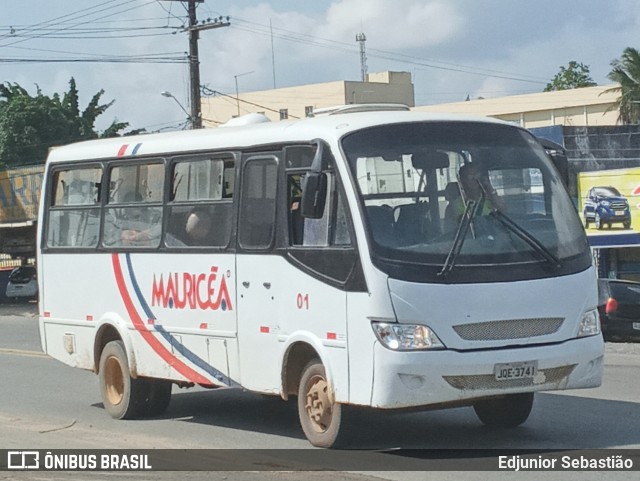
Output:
[[300, 101], [588, 106]]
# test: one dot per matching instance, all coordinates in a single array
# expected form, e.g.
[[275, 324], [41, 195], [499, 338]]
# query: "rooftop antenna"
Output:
[[361, 39]]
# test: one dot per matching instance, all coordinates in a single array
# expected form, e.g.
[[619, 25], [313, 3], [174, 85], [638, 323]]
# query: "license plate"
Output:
[[516, 370], [636, 325], [619, 212]]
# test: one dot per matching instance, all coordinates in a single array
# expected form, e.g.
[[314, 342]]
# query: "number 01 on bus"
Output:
[[368, 257]]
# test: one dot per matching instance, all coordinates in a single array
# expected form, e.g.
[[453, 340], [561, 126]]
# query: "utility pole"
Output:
[[194, 68], [194, 60]]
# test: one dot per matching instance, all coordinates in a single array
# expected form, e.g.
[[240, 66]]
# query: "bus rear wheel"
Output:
[[505, 412], [319, 417], [123, 396]]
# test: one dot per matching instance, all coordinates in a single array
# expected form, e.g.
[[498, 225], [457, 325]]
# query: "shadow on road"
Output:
[[557, 422]]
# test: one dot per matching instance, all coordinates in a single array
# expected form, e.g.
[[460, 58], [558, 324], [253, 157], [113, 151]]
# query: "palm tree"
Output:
[[626, 72]]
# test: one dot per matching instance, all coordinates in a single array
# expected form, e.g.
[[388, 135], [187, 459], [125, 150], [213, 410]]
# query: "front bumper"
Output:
[[412, 379]]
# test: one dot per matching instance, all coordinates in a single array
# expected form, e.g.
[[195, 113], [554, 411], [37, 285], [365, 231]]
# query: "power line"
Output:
[[17, 27], [85, 22], [105, 37], [33, 49], [77, 31], [182, 60], [61, 17]]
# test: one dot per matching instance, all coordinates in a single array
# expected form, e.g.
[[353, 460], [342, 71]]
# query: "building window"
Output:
[[284, 114], [308, 111]]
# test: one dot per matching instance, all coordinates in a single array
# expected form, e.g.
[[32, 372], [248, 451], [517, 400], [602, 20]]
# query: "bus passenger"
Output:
[[473, 182], [197, 227]]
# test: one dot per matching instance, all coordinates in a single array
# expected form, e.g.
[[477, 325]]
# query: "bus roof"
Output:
[[328, 127]]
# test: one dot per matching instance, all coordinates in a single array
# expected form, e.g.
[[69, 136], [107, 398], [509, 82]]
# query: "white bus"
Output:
[[319, 259]]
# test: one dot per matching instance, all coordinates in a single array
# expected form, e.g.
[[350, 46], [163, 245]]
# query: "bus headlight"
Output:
[[406, 337], [589, 324]]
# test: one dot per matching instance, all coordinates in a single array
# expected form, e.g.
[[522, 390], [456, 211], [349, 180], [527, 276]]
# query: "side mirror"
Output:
[[314, 190], [314, 194]]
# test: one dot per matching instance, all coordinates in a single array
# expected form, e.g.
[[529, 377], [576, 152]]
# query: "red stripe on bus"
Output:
[[123, 150], [147, 335]]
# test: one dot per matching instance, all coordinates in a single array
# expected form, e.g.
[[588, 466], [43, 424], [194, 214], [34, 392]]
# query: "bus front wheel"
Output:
[[319, 417], [159, 397], [123, 396], [505, 412]]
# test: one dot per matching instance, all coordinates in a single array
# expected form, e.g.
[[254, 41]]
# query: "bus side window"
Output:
[[258, 202], [74, 209], [200, 206], [332, 228], [341, 236], [316, 231], [133, 217]]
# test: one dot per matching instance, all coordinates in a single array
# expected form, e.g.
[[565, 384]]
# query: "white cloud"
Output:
[[393, 25]]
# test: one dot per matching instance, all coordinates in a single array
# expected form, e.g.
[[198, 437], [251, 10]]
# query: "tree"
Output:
[[30, 125], [626, 72], [574, 76]]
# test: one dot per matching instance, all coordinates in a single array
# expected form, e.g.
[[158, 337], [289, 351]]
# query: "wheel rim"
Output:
[[114, 381], [318, 406]]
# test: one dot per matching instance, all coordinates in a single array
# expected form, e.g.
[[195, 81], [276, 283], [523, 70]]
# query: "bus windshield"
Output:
[[453, 196]]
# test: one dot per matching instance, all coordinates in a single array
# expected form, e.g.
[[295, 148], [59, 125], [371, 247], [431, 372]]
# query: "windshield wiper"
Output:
[[461, 234], [537, 246], [470, 211]]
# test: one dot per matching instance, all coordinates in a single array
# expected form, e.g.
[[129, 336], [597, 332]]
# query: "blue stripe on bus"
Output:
[[181, 348]]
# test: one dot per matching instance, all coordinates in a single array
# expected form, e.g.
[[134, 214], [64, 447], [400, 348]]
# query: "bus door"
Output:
[[322, 265], [258, 274]]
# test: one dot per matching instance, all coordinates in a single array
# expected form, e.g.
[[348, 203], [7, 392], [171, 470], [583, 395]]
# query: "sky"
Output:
[[454, 49]]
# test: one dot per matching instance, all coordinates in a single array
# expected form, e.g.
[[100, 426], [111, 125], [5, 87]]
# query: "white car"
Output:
[[23, 283]]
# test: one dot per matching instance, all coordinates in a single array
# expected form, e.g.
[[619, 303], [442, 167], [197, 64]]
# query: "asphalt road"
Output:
[[47, 405]]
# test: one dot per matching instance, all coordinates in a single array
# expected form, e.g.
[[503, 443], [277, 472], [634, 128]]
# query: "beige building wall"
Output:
[[384, 87], [589, 106]]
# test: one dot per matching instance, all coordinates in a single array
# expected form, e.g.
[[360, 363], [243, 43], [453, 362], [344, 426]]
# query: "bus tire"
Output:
[[505, 412], [158, 398], [123, 397], [319, 417]]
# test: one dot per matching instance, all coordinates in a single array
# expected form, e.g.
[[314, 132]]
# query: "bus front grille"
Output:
[[554, 375], [509, 329]]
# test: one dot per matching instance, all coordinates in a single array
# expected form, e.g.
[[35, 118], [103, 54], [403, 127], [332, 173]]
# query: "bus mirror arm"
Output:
[[314, 190]]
